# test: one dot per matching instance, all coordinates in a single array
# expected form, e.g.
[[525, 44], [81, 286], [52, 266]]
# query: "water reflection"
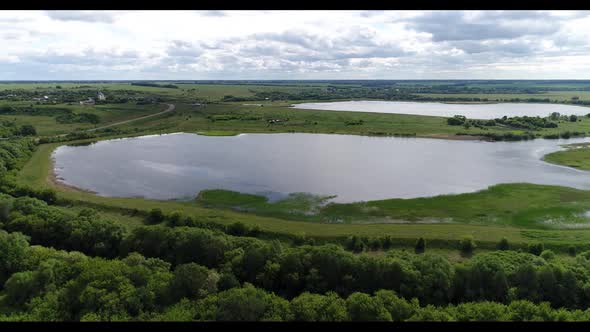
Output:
[[352, 167]]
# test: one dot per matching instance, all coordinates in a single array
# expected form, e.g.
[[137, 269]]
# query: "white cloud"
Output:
[[293, 44]]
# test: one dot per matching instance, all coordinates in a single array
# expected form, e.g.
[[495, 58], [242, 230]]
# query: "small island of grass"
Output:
[[575, 155]]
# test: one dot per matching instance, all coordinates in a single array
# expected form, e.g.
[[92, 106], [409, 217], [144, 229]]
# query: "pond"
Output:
[[355, 168], [471, 111]]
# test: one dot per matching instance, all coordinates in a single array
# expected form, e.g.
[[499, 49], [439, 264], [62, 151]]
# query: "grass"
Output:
[[233, 118], [48, 126], [576, 155], [520, 205]]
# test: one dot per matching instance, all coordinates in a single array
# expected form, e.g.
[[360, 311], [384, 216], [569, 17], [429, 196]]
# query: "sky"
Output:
[[298, 45]]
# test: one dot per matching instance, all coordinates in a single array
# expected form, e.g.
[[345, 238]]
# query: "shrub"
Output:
[[174, 219], [503, 244], [237, 229], [536, 248], [420, 246], [547, 254], [467, 245], [155, 216], [456, 120], [356, 243], [571, 250]]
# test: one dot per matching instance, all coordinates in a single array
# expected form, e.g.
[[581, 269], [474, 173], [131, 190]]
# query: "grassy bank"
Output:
[[518, 205], [575, 155]]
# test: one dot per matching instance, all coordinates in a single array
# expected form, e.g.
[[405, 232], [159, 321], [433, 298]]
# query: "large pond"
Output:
[[354, 168], [471, 111]]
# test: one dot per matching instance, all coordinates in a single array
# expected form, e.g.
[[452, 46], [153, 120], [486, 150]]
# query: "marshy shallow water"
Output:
[[355, 168]]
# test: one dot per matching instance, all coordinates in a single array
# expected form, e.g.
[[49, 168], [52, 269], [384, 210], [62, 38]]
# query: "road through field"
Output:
[[170, 108]]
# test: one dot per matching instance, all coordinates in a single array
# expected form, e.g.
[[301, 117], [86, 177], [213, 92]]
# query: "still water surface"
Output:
[[354, 168], [471, 111]]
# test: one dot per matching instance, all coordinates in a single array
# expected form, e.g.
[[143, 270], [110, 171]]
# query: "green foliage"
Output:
[[571, 250], [362, 307], [536, 248], [192, 281], [547, 254], [55, 228], [237, 229], [244, 304], [456, 120], [27, 130], [155, 216], [420, 246], [503, 244], [319, 308], [13, 251], [467, 245]]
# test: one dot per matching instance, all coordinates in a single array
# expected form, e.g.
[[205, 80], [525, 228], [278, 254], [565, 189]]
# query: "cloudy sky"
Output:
[[93, 45]]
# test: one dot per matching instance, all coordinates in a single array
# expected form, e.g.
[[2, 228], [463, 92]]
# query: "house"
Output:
[[101, 96]]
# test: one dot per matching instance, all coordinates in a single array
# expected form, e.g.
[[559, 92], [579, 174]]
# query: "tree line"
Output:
[[46, 284], [290, 270]]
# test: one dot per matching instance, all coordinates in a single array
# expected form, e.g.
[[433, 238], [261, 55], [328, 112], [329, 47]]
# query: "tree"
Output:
[[190, 281], [5, 207], [174, 218], [573, 118], [456, 120], [227, 280], [503, 244], [251, 304], [362, 307], [20, 287], [13, 253], [155, 216], [536, 248], [547, 254], [467, 245], [319, 308], [430, 314], [420, 246], [356, 243], [398, 308], [571, 250], [237, 229], [27, 130]]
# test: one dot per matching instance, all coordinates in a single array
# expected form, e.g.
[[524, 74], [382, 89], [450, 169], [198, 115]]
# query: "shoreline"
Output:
[[54, 181]]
